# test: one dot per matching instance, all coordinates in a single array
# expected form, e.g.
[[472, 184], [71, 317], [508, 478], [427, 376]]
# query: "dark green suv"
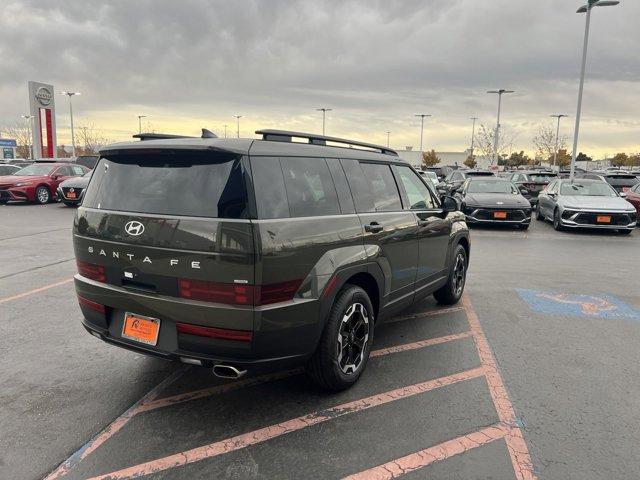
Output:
[[242, 254]]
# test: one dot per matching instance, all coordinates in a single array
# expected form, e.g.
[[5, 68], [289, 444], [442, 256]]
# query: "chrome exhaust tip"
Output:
[[228, 371]]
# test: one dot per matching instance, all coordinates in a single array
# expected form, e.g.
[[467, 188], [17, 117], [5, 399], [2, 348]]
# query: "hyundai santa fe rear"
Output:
[[244, 255]]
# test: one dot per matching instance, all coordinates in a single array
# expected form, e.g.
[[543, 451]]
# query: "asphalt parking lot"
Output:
[[534, 374]]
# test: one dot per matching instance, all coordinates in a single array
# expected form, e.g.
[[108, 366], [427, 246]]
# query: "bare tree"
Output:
[[21, 133], [484, 141], [90, 139], [545, 142]]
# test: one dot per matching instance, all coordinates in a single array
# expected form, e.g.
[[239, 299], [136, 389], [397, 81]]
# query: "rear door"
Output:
[[387, 226], [434, 228]]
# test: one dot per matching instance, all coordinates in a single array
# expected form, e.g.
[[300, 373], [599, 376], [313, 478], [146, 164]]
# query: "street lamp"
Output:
[[225, 130], [238, 117], [585, 9], [422, 117], [388, 136], [324, 116], [555, 152], [473, 134], [140, 117], [496, 137], [73, 138], [30, 118]]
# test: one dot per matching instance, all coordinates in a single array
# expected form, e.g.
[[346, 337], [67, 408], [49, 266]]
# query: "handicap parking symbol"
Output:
[[591, 306]]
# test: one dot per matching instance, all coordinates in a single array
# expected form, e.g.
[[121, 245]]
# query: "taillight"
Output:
[[278, 292], [96, 307], [91, 270], [211, 332], [237, 294], [230, 293]]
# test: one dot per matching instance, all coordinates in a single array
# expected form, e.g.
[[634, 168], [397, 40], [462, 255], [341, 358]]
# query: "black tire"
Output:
[[557, 226], [70, 204], [524, 227], [625, 232], [539, 215], [4, 202], [43, 195], [451, 292], [328, 367]]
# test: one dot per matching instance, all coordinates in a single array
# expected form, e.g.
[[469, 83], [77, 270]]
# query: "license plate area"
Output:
[[603, 219], [500, 215], [140, 328], [71, 195]]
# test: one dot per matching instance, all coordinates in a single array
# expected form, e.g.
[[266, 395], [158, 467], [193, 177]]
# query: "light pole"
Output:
[[238, 117], [324, 116], [30, 118], [496, 137], [473, 134], [585, 9], [140, 117], [422, 117], [388, 137], [225, 130], [555, 152], [73, 138]]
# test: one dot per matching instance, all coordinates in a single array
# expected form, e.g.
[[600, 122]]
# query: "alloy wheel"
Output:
[[353, 337], [459, 274], [43, 195]]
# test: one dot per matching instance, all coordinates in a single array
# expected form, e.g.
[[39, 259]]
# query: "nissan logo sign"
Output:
[[43, 95], [134, 228]]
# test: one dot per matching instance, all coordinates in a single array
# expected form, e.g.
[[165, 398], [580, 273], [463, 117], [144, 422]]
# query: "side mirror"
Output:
[[449, 204], [623, 194], [524, 191]]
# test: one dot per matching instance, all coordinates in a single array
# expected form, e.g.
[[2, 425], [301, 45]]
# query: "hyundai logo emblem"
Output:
[[134, 228]]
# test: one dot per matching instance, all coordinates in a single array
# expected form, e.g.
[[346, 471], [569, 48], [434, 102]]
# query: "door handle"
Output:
[[423, 223], [373, 227]]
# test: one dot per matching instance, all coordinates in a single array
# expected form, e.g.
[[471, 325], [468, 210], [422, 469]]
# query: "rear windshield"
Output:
[[193, 184], [542, 177], [480, 174]]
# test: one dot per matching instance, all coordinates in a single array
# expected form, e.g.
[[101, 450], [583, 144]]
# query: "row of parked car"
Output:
[[46, 180], [604, 199]]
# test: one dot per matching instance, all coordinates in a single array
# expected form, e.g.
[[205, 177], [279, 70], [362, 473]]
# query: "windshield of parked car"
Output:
[[491, 186], [35, 170], [592, 189]]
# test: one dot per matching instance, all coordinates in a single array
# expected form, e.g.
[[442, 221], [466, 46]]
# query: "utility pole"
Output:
[[422, 117], [496, 137], [324, 116], [473, 135], [238, 117], [584, 9]]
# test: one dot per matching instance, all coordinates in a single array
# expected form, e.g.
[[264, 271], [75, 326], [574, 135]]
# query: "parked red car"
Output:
[[37, 182], [633, 197]]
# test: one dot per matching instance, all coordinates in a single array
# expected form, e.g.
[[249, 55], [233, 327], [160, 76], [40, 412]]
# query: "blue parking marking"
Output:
[[590, 306]]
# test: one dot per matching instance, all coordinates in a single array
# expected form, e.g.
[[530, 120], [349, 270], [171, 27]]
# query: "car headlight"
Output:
[[22, 184]]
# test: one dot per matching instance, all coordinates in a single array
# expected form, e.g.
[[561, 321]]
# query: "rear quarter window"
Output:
[[310, 189]]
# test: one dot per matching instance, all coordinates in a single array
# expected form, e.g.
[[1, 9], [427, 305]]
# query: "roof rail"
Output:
[[287, 136], [158, 136]]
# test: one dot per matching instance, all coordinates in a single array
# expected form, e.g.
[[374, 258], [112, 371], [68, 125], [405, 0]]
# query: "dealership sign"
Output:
[[42, 105], [8, 142]]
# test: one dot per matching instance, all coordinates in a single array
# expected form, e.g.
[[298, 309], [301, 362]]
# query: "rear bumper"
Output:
[[282, 334]]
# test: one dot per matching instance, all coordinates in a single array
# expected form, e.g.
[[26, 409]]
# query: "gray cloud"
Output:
[[376, 62]]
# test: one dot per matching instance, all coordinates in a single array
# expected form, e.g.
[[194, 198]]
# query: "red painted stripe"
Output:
[[420, 344], [37, 290], [423, 458], [258, 436], [518, 451]]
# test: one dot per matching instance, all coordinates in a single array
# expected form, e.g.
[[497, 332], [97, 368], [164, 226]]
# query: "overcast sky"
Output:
[[189, 64]]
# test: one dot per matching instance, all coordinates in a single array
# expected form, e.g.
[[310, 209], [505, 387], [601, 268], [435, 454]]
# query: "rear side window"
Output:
[[342, 187], [268, 183], [194, 184], [383, 187], [362, 194], [310, 189]]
